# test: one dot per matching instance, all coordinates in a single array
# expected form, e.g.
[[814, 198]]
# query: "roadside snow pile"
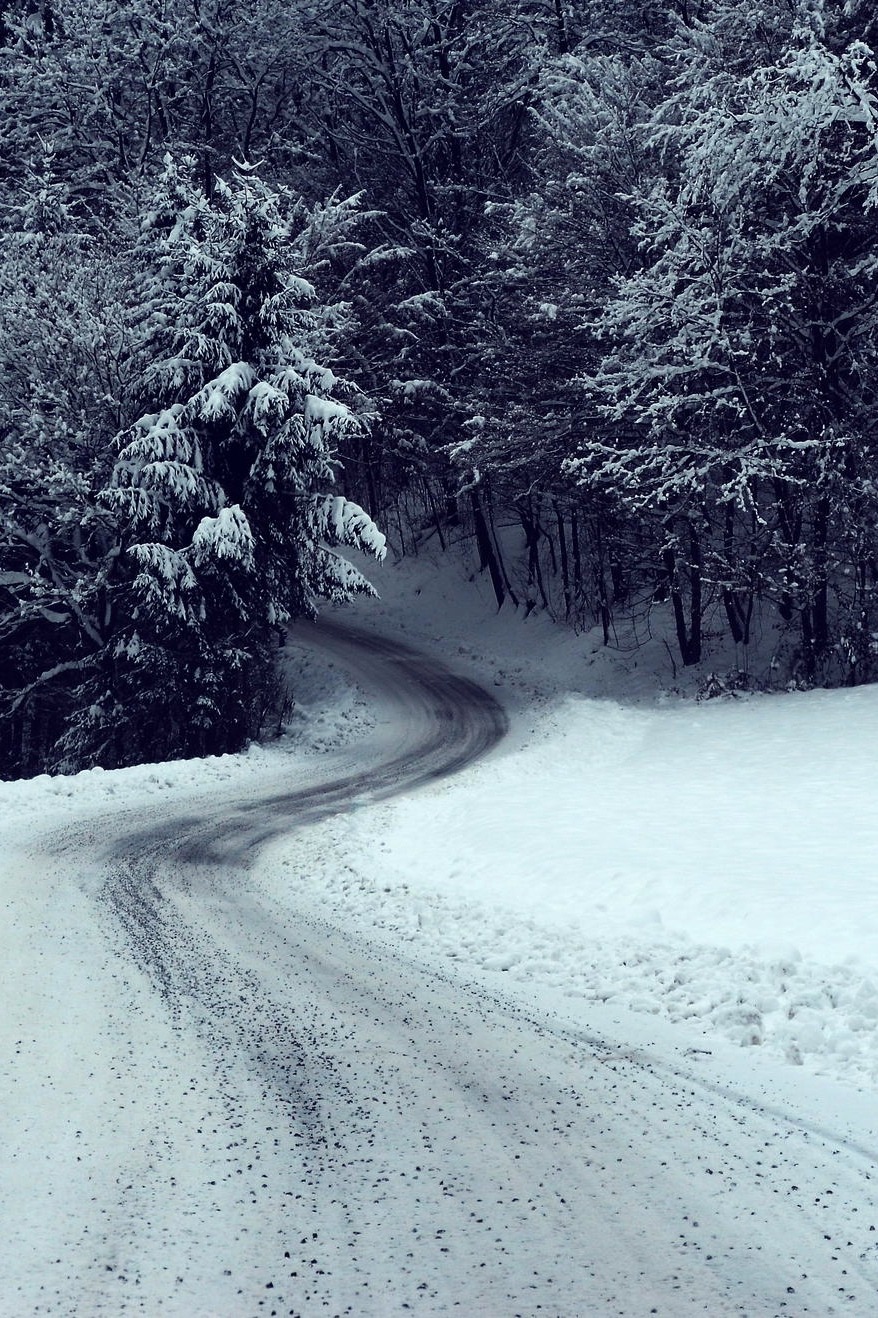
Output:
[[50, 799], [330, 711], [793, 1007]]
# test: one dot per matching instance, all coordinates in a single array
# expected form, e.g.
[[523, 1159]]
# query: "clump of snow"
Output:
[[345, 522], [226, 536]]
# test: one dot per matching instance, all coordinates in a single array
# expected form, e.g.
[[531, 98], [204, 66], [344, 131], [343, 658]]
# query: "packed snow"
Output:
[[616, 981]]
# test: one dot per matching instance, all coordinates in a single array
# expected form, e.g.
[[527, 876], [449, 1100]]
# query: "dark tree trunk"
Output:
[[437, 521], [820, 605], [565, 566], [532, 534], [487, 556], [739, 611], [498, 551], [688, 634], [600, 581]]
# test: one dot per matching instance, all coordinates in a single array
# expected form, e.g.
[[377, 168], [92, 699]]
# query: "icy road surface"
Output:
[[215, 1105]]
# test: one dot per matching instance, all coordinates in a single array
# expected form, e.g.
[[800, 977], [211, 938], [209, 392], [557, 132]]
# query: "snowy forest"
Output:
[[593, 284]]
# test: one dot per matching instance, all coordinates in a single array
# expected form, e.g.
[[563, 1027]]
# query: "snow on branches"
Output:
[[221, 487]]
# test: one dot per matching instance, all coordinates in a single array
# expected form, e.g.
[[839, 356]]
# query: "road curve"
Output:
[[296, 1120], [435, 722]]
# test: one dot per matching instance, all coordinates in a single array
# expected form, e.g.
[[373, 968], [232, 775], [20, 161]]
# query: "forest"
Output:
[[596, 280]]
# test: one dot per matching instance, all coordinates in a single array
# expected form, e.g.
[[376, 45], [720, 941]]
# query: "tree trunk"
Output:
[[531, 528], [565, 566], [688, 635], [487, 556], [601, 581], [820, 606], [739, 614], [498, 551]]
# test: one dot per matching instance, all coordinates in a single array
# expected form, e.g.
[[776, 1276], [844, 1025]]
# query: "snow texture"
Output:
[[665, 909], [710, 863]]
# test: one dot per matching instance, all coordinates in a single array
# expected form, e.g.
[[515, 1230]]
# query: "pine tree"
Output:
[[221, 486]]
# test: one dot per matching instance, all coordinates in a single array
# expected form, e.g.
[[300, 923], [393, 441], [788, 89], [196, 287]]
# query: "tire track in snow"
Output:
[[443, 723]]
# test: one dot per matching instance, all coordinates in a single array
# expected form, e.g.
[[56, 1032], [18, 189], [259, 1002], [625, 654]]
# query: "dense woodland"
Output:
[[596, 277]]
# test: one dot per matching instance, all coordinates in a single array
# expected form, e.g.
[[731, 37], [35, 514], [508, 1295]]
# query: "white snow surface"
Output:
[[714, 862], [693, 879]]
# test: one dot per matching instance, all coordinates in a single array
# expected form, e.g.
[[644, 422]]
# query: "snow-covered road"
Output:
[[220, 1105], [434, 723]]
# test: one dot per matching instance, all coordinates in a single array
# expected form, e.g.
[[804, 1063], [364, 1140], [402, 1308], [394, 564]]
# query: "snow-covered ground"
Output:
[[694, 883], [714, 863]]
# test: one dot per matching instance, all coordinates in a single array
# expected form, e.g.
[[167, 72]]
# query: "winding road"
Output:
[[261, 1112]]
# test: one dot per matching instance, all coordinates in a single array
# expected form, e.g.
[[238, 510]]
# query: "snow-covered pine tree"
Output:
[[222, 484]]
